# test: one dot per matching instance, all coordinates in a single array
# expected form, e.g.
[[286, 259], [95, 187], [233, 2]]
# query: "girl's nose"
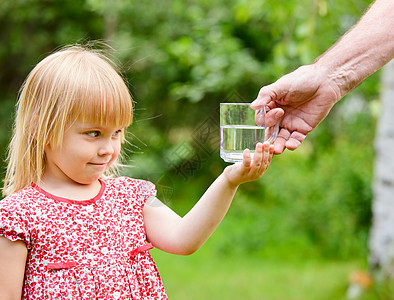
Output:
[[106, 148]]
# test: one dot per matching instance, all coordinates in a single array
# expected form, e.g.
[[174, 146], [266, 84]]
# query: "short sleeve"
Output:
[[14, 222], [136, 191], [147, 189]]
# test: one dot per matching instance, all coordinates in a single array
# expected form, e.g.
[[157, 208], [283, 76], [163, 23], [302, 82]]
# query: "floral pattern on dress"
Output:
[[93, 249]]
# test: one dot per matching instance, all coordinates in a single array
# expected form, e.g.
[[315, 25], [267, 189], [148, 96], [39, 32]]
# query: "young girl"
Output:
[[70, 230]]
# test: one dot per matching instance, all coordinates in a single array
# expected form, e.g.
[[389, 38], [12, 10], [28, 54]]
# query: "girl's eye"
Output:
[[93, 133], [117, 133]]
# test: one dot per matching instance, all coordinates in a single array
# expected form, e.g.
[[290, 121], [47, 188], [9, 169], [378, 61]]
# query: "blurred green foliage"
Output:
[[181, 59]]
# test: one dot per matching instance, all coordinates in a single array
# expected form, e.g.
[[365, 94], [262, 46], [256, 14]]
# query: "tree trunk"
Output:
[[382, 232]]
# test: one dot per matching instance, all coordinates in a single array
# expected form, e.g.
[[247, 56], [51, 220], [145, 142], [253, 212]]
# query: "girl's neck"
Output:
[[71, 190]]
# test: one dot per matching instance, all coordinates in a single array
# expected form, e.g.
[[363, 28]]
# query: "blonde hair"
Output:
[[74, 83]]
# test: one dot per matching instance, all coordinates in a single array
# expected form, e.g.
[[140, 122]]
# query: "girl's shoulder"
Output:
[[16, 213], [129, 186], [20, 198]]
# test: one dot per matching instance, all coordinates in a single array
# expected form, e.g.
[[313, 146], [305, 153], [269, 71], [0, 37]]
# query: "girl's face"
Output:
[[88, 151]]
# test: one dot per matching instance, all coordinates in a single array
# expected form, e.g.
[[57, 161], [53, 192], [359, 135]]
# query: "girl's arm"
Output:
[[171, 233], [12, 268]]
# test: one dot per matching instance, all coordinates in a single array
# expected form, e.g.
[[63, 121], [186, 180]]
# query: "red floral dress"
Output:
[[93, 249]]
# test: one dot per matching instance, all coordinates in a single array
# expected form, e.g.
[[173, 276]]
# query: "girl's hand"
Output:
[[248, 170]]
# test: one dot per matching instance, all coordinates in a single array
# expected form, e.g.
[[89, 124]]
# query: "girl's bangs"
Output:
[[105, 110], [103, 100]]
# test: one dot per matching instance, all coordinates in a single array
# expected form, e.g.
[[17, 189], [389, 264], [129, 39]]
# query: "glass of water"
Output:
[[242, 127]]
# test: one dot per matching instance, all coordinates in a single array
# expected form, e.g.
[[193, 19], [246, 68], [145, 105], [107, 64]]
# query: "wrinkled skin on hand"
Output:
[[300, 101]]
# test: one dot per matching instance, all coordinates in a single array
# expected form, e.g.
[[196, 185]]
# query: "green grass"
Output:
[[204, 275]]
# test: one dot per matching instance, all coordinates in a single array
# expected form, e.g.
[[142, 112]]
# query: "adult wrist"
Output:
[[331, 77]]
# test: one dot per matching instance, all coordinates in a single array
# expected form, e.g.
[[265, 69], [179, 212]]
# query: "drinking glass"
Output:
[[242, 127]]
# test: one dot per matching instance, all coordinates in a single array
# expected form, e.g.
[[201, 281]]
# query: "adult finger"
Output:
[[273, 116], [295, 140], [280, 143], [265, 96]]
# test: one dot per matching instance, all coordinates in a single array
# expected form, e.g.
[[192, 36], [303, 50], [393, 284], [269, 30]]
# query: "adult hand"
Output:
[[306, 96]]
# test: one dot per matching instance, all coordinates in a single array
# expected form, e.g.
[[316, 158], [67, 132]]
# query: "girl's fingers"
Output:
[[247, 159], [268, 153], [257, 158], [263, 159], [249, 170]]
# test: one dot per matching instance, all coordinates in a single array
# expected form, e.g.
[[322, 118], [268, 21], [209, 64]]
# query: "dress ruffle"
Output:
[[14, 235]]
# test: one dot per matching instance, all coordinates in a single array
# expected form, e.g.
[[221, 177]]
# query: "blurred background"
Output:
[[300, 232]]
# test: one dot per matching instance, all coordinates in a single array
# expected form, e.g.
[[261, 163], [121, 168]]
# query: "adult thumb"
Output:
[[265, 96]]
